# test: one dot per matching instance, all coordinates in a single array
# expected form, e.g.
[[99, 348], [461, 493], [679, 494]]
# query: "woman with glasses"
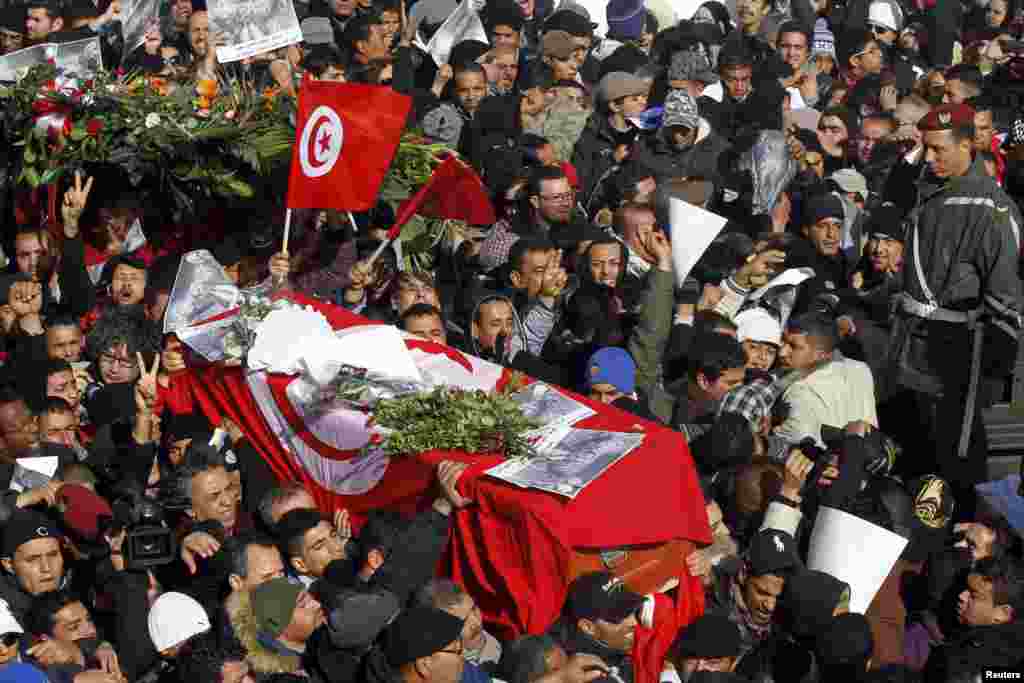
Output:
[[113, 346]]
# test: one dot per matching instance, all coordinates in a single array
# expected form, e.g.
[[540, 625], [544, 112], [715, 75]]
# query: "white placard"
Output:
[[30, 473], [251, 27], [462, 24], [693, 231], [790, 276], [855, 551]]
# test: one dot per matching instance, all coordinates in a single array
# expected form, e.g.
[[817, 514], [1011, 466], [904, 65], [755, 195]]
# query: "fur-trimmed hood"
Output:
[[261, 659]]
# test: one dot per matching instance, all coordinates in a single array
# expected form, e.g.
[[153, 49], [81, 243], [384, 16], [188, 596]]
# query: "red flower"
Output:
[[93, 127], [376, 439], [66, 128]]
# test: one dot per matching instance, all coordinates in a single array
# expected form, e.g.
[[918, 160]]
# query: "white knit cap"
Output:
[[885, 14], [174, 618], [8, 624], [757, 324]]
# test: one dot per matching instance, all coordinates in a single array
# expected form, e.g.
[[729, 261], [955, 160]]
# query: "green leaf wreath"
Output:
[[454, 419]]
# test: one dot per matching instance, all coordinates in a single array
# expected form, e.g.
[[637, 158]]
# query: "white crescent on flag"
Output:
[[321, 142], [329, 444]]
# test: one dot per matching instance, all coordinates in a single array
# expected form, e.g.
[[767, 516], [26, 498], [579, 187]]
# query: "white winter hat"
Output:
[[886, 14], [757, 324], [174, 618], [8, 624]]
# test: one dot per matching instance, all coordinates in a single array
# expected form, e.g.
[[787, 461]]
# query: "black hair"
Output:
[[794, 26], [63, 320], [524, 660], [420, 310], [713, 354], [127, 327], [41, 616], [1007, 582], [533, 185], [729, 444], [322, 57], [238, 550], [205, 660], [968, 75], [522, 246], [818, 327], [356, 30], [199, 458], [468, 68], [983, 102]]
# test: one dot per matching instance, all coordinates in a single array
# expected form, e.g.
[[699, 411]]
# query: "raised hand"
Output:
[[26, 298], [75, 199], [146, 386]]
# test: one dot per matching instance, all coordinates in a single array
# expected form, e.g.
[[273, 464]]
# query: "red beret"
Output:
[[947, 117], [83, 511]]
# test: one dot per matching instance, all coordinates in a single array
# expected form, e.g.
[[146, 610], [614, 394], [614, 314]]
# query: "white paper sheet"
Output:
[[33, 472], [791, 276], [855, 551], [693, 230], [462, 24]]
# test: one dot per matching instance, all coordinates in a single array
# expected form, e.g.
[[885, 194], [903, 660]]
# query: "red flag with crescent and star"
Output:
[[345, 137]]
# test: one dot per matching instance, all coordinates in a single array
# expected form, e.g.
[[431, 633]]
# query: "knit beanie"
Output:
[[625, 19], [612, 365], [824, 42]]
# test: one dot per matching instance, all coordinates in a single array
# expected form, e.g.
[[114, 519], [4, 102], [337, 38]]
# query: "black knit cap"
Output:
[[420, 632], [827, 205], [25, 526], [573, 23], [709, 637]]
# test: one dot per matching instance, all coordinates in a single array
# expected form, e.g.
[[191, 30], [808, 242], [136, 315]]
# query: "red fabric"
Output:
[[652, 644], [454, 191], [511, 549], [372, 119]]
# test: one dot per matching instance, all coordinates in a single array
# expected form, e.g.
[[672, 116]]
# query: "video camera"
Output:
[[149, 540]]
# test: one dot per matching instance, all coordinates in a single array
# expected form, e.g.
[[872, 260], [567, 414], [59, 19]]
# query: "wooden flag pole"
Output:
[[287, 230]]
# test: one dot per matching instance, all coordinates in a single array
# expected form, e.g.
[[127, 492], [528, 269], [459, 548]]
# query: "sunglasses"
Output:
[[10, 639]]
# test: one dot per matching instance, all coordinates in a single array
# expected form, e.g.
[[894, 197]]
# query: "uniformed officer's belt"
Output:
[[907, 304]]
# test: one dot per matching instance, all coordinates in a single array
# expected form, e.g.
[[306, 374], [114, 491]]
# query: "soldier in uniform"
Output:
[[957, 317]]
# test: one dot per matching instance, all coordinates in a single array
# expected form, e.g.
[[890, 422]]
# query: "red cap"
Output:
[[947, 117]]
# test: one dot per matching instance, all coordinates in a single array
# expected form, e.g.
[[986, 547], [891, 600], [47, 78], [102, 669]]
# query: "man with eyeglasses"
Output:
[[553, 203]]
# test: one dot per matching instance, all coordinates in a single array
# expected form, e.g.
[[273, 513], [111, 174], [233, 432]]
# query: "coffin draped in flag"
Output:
[[346, 136]]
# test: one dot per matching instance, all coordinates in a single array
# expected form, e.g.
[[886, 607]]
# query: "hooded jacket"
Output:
[[262, 659], [700, 160], [594, 153]]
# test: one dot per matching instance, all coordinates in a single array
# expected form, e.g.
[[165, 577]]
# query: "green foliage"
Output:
[[454, 419]]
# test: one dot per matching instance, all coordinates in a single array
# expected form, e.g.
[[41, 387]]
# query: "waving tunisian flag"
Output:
[[346, 135]]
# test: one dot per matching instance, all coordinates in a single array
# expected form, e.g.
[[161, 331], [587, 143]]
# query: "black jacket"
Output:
[[740, 122], [701, 160], [980, 648], [594, 153]]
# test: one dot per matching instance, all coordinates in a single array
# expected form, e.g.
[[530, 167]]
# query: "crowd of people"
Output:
[[835, 346]]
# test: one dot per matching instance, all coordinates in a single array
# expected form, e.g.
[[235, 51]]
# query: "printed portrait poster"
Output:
[[251, 27]]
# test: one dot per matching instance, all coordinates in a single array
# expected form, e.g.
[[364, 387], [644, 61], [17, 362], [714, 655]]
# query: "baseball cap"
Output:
[[602, 595], [827, 205], [25, 526], [273, 604], [174, 618], [359, 617], [612, 365], [771, 551], [420, 632]]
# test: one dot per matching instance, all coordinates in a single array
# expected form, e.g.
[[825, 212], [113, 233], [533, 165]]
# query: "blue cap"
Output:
[[612, 365], [18, 672]]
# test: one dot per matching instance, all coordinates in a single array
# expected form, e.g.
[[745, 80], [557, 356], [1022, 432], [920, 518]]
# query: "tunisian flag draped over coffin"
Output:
[[511, 549], [346, 135]]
